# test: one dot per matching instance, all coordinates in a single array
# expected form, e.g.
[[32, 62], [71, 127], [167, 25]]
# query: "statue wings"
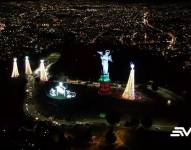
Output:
[[101, 53]]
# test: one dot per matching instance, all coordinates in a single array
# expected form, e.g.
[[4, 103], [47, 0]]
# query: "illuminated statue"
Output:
[[129, 92], [15, 72], [52, 92], [43, 73], [105, 61], [60, 90], [28, 70], [105, 58]]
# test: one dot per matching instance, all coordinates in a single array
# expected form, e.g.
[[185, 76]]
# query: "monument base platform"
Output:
[[105, 88], [104, 78]]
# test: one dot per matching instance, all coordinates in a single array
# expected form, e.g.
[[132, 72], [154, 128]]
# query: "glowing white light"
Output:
[[2, 26], [53, 92], [60, 89], [28, 70], [132, 66], [43, 73], [37, 71], [15, 72], [169, 102], [105, 58], [55, 122], [129, 92]]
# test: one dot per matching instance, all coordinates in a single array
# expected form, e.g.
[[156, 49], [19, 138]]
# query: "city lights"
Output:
[[68, 81]]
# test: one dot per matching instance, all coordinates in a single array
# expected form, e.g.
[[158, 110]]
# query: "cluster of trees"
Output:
[[114, 117]]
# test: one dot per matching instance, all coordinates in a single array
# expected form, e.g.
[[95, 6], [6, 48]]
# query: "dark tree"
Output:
[[87, 135], [113, 118], [154, 86], [146, 122], [132, 122], [110, 137]]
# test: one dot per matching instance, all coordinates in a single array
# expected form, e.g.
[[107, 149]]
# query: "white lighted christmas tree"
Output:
[[28, 70], [43, 73], [129, 92], [15, 72]]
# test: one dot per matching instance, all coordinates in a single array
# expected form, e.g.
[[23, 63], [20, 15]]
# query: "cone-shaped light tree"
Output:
[[15, 72], [129, 92], [43, 73], [28, 70]]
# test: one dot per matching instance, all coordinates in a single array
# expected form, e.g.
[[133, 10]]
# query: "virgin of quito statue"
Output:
[[104, 78]]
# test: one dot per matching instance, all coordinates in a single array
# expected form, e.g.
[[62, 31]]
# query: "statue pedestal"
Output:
[[104, 78], [104, 88]]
